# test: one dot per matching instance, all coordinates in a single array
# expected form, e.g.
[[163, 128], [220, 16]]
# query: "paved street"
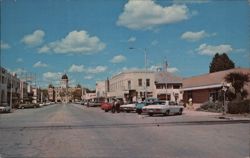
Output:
[[75, 131]]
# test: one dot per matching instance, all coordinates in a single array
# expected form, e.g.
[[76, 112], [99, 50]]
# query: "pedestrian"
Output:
[[113, 106], [117, 106]]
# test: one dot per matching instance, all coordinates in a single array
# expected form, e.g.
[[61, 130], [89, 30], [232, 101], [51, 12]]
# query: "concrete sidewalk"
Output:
[[189, 112]]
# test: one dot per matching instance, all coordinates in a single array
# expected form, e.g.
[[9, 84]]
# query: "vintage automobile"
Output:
[[128, 107], [163, 107], [94, 104], [5, 108], [28, 105], [106, 106], [147, 101]]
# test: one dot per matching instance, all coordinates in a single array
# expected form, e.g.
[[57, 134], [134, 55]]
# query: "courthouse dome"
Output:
[[65, 77]]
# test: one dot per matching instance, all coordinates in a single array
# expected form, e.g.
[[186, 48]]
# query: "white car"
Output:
[[165, 108], [5, 108], [127, 107]]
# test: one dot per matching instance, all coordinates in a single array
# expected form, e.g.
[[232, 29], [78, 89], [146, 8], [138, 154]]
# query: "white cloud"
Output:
[[34, 39], [98, 69], [19, 71], [132, 39], [190, 1], [76, 68], [154, 42], [40, 64], [82, 68], [154, 67], [169, 69], [118, 59], [44, 49], [172, 69], [205, 49], [19, 60], [76, 42], [195, 36], [52, 76], [4, 45], [130, 69], [147, 14], [88, 77]]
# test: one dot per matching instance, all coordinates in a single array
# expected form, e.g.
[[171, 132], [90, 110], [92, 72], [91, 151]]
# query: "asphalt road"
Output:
[[75, 131]]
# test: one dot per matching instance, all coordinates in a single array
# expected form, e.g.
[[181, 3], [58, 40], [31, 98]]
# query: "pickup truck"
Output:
[[146, 102], [165, 108]]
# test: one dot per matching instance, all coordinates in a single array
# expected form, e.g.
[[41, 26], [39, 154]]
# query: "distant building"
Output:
[[201, 88], [9, 84], [62, 93], [102, 90], [168, 86], [131, 85]]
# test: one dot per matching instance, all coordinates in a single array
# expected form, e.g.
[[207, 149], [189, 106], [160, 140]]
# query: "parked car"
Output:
[[147, 101], [94, 104], [5, 108], [128, 107], [165, 108], [106, 106], [28, 105]]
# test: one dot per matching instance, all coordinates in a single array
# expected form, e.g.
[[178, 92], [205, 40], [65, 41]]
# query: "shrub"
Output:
[[239, 107], [211, 107]]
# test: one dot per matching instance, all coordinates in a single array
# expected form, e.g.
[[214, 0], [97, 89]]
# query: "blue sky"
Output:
[[90, 39]]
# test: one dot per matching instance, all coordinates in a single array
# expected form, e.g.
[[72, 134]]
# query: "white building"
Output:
[[132, 85], [168, 86], [135, 85], [89, 96], [10, 88], [102, 90]]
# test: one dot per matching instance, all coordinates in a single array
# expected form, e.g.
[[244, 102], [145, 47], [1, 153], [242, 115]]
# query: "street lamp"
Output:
[[225, 87], [145, 64]]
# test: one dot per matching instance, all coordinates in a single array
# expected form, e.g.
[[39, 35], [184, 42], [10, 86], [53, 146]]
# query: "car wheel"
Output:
[[150, 114], [166, 113], [139, 112], [180, 111], [128, 111], [106, 110]]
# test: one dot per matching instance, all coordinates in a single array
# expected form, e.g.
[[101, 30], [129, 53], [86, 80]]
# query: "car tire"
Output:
[[127, 111], [106, 110], [139, 112], [180, 111], [166, 113], [150, 114]]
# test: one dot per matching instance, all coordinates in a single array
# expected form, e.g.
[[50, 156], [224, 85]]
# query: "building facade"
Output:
[[168, 86], [132, 86], [9, 89], [62, 93], [208, 86]]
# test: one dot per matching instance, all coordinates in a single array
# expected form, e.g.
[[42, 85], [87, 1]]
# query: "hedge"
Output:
[[239, 107]]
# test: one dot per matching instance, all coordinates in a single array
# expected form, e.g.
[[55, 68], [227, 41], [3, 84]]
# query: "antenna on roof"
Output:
[[165, 65]]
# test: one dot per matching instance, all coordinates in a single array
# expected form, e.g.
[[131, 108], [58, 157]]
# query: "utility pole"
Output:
[[145, 54], [11, 85], [145, 66]]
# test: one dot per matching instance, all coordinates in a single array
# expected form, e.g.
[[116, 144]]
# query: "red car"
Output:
[[106, 106]]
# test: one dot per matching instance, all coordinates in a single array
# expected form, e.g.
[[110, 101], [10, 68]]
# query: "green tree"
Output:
[[221, 62], [77, 94], [238, 80]]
